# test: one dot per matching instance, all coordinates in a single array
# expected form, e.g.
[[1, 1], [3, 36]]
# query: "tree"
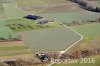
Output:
[[96, 9]]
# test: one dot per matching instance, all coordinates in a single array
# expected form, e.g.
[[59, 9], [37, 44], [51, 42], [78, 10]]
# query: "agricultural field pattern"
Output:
[[29, 27]]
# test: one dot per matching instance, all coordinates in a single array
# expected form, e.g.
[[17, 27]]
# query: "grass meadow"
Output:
[[89, 31], [12, 11], [6, 32]]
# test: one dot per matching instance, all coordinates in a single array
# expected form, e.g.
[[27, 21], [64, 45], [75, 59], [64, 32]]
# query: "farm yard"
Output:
[[23, 24], [55, 39]]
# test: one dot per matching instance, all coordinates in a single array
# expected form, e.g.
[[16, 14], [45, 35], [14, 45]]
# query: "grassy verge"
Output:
[[13, 48], [14, 54]]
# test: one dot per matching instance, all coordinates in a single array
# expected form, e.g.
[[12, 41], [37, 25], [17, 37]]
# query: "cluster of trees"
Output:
[[86, 5]]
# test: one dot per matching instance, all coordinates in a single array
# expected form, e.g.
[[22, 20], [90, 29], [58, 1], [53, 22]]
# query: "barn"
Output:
[[33, 17]]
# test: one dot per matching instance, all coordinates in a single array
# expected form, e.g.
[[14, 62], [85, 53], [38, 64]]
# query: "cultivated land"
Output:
[[5, 32], [13, 17], [72, 16], [52, 38], [55, 39], [89, 31], [12, 11], [91, 34], [1, 10], [39, 2]]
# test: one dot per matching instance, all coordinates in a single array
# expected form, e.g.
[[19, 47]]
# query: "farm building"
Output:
[[43, 22], [33, 17]]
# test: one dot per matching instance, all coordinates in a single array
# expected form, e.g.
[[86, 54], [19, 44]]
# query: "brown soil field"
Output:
[[27, 8], [61, 8]]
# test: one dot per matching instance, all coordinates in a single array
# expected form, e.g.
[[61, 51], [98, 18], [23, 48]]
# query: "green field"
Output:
[[1, 11], [97, 63], [22, 24], [12, 11], [89, 31], [50, 39], [6, 32], [72, 16], [13, 48], [1, 8], [11, 51]]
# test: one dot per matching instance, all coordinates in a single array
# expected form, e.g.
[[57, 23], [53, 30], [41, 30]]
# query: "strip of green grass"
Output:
[[13, 48]]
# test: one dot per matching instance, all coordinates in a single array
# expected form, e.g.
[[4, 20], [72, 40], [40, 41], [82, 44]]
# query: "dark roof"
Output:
[[33, 17]]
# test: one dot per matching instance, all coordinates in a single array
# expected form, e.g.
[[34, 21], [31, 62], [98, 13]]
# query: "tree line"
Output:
[[81, 54], [86, 5]]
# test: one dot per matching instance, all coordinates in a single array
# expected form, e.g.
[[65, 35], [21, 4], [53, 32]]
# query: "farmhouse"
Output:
[[33, 17]]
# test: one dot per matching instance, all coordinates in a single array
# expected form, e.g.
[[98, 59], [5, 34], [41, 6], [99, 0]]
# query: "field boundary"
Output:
[[81, 38]]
